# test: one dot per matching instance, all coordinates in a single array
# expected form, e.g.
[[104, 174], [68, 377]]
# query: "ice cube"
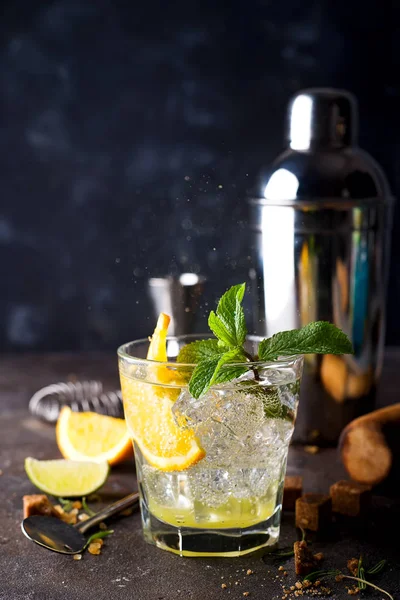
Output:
[[224, 419], [194, 411], [235, 433], [210, 486]]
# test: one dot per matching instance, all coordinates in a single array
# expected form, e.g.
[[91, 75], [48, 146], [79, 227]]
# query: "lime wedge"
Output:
[[66, 478]]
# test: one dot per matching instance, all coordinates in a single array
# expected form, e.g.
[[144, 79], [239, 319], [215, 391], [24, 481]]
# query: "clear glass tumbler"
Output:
[[228, 503]]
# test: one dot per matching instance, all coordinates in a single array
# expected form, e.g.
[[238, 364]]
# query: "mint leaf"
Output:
[[319, 337], [87, 510], [272, 403], [273, 406], [99, 535], [228, 302], [224, 333], [228, 373], [197, 351], [201, 377], [228, 323], [209, 371], [231, 313], [240, 322]]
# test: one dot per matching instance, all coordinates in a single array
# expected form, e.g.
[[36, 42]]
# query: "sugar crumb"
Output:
[[311, 449]]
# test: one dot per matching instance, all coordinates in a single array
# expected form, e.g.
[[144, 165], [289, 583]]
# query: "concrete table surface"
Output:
[[128, 568]]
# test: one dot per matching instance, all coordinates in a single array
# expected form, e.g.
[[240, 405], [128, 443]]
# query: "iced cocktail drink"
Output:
[[210, 470]]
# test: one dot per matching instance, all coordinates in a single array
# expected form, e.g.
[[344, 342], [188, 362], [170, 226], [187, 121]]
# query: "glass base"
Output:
[[193, 541]]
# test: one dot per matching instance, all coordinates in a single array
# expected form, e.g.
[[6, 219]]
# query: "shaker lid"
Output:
[[323, 163], [322, 117]]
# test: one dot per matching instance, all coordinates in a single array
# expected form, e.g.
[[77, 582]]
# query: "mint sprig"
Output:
[[222, 359], [213, 356]]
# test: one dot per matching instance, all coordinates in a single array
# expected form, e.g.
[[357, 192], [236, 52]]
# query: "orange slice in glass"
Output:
[[148, 412]]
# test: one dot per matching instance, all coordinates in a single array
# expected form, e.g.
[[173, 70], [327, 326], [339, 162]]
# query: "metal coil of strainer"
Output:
[[80, 396]]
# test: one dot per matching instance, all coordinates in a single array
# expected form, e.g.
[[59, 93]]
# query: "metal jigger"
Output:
[[177, 297]]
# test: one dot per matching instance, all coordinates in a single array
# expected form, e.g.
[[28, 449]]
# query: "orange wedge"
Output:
[[158, 343], [158, 350], [149, 416], [89, 436]]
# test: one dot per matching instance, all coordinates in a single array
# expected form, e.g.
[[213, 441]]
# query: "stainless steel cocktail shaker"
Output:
[[321, 216]]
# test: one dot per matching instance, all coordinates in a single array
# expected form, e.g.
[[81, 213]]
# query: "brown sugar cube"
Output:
[[352, 565], [313, 511], [293, 489], [304, 560], [94, 549], [319, 557], [38, 504], [350, 498]]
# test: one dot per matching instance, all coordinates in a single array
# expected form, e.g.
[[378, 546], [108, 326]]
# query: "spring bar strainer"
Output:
[[80, 396]]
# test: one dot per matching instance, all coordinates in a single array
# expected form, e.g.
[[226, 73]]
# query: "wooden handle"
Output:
[[365, 449]]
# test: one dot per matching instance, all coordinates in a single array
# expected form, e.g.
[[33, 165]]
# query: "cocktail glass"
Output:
[[229, 502]]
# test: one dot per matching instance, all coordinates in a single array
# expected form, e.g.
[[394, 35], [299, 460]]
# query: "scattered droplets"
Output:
[[187, 224]]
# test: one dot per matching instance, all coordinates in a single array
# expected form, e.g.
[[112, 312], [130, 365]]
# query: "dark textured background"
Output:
[[130, 130]]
